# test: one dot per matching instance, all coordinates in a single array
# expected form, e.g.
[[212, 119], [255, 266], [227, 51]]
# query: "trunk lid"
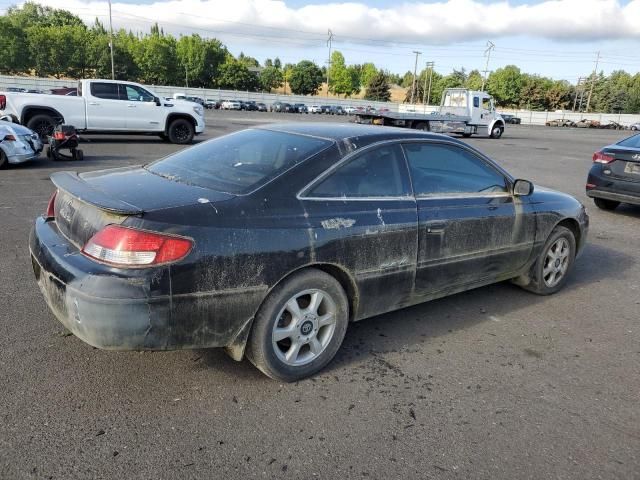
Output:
[[87, 202], [626, 164]]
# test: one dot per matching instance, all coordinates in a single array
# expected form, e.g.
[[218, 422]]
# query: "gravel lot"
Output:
[[494, 384]]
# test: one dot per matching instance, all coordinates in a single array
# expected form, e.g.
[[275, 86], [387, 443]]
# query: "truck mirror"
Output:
[[158, 102]]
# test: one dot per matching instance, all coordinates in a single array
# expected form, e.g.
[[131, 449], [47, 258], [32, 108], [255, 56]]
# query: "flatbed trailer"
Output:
[[462, 112]]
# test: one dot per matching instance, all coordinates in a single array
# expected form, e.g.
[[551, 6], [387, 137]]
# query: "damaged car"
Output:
[[270, 241], [18, 144]]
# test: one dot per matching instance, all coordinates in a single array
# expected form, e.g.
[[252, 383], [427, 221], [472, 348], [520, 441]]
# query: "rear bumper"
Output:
[[128, 309], [608, 187]]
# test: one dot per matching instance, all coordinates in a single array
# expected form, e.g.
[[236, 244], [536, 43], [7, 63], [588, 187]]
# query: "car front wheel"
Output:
[[551, 270], [181, 131], [300, 326]]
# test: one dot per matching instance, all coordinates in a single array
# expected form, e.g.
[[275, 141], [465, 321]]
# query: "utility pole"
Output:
[[113, 71], [593, 81], [415, 70], [487, 53], [575, 99], [329, 40], [186, 77], [430, 66]]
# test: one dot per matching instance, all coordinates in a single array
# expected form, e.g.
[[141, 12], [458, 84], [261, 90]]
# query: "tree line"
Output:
[[50, 42]]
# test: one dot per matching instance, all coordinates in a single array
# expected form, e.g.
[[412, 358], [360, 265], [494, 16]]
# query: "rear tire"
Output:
[[466, 135], [79, 155], [4, 161], [299, 327], [554, 264], [605, 204], [181, 132], [42, 124]]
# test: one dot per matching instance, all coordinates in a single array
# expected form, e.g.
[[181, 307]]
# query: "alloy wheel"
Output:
[[556, 262]]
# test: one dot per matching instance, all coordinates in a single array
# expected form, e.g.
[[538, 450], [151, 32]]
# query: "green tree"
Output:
[[305, 78], [505, 85], [58, 51], [378, 88], [155, 56], [14, 45], [200, 59], [474, 80], [271, 78], [368, 71], [235, 75], [340, 81]]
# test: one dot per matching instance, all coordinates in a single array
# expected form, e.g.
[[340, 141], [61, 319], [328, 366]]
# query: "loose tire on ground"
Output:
[[320, 308], [558, 255], [181, 131], [43, 124], [605, 204]]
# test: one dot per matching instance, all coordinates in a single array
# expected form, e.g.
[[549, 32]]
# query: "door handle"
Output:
[[437, 226], [93, 103], [131, 106]]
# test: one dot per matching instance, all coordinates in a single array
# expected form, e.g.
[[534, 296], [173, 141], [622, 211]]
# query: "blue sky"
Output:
[[556, 38]]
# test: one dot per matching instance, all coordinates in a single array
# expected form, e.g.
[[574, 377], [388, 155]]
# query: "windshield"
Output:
[[633, 142], [238, 163]]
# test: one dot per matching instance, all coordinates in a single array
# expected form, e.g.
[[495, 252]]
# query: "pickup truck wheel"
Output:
[[497, 131], [181, 131], [42, 124], [299, 327]]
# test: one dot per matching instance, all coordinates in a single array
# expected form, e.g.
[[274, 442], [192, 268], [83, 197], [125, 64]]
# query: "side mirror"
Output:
[[158, 102], [522, 188]]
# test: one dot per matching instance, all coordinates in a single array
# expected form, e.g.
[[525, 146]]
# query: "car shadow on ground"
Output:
[[127, 139], [45, 163], [395, 331]]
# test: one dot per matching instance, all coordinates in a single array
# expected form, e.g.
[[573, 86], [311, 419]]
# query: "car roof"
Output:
[[342, 131]]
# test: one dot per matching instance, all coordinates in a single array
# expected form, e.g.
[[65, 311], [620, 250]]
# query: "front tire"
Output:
[[551, 270], [181, 131], [605, 204], [497, 131], [299, 327]]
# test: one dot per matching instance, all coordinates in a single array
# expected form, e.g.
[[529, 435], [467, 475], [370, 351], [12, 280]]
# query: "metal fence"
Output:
[[528, 117], [46, 84]]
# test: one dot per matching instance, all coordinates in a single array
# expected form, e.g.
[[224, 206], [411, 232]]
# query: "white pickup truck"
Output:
[[106, 106]]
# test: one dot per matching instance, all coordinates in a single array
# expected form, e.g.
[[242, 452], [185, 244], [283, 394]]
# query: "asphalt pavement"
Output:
[[495, 383]]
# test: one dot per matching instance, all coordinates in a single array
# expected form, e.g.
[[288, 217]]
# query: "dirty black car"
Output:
[[614, 177], [269, 241]]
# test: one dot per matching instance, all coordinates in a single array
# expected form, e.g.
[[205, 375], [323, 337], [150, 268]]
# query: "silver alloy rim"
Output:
[[496, 131], [556, 262], [304, 327]]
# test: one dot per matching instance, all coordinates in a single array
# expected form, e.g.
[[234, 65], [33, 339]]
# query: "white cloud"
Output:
[[442, 22]]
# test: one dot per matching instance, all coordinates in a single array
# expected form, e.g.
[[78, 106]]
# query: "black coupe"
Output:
[[269, 241], [614, 177]]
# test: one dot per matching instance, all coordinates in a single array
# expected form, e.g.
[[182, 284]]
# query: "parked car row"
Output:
[[512, 119], [285, 107], [586, 123]]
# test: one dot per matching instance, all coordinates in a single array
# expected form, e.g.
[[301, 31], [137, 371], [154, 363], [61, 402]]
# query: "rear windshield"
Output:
[[633, 142], [238, 163]]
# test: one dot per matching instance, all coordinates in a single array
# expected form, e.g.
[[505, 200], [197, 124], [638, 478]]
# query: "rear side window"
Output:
[[108, 91], [376, 173], [633, 142], [440, 169], [238, 163]]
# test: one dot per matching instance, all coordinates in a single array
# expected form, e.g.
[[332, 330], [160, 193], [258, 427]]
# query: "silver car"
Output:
[[18, 144], [635, 126]]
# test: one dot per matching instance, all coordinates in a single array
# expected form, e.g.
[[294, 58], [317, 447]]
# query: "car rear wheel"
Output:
[[551, 270], [181, 131], [300, 326], [605, 204], [42, 124], [3, 160]]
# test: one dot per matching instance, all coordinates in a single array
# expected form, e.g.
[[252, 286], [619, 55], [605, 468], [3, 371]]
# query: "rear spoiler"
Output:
[[72, 183]]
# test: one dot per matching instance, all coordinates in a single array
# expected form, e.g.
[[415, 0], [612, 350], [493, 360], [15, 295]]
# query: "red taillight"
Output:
[[600, 157], [50, 211], [59, 135], [9, 138], [128, 247], [3, 102]]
